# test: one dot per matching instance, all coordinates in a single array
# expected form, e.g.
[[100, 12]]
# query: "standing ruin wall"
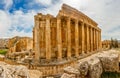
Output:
[[69, 35]]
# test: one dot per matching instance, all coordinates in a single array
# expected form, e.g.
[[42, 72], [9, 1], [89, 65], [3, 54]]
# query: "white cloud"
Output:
[[5, 23], [44, 2], [12, 21], [22, 19], [19, 33], [8, 4]]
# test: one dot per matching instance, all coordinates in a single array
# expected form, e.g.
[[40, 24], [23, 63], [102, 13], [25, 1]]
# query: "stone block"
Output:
[[82, 66], [71, 70], [65, 75], [110, 62], [95, 68]]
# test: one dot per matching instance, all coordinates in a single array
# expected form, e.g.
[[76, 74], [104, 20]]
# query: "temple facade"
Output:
[[70, 34]]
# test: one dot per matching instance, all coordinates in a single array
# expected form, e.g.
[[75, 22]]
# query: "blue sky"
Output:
[[17, 16]]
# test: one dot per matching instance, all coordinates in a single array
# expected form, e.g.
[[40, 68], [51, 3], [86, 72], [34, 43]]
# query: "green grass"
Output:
[[3, 51], [110, 75]]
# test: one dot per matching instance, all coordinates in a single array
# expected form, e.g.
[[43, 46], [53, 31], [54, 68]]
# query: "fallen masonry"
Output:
[[17, 71], [94, 65]]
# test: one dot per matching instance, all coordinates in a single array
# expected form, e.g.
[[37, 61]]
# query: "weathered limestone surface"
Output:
[[18, 44], [106, 44], [11, 71], [82, 66], [60, 41], [65, 36], [65, 75], [95, 68], [94, 65], [110, 62], [71, 70], [17, 71]]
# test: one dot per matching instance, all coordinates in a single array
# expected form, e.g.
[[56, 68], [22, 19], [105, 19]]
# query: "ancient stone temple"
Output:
[[67, 36]]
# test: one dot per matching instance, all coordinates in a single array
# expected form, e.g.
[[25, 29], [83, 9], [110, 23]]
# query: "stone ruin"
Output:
[[68, 35], [60, 41], [93, 66], [19, 44]]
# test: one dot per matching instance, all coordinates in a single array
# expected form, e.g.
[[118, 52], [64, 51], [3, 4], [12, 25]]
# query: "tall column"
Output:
[[91, 31], [94, 39], [59, 41], [69, 38], [87, 38], [83, 38], [48, 39], [100, 40], [36, 41], [97, 39], [76, 38]]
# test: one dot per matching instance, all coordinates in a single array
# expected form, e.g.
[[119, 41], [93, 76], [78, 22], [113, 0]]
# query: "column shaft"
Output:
[[76, 38], [87, 38], [91, 31], [48, 39], [94, 39], [37, 47], [83, 38], [69, 38], [59, 41], [100, 40], [97, 39]]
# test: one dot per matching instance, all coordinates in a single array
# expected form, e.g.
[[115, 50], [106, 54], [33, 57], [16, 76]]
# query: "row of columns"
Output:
[[93, 38]]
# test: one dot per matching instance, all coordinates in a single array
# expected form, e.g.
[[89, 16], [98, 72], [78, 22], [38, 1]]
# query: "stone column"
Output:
[[83, 36], [100, 40], [36, 41], [59, 41], [91, 31], [48, 39], [76, 38], [33, 38], [87, 45], [97, 40], [69, 38], [93, 39]]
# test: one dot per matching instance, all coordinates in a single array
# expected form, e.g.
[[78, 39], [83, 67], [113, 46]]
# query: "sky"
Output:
[[17, 16]]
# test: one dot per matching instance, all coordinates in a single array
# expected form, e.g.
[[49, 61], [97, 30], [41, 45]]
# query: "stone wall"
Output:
[[18, 44], [94, 66], [106, 44]]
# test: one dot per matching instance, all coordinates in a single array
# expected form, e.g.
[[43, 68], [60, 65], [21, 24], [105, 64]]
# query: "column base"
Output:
[[83, 52]]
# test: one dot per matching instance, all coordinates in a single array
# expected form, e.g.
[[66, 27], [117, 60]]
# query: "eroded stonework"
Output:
[[60, 41], [106, 44], [95, 65], [68, 35], [19, 44]]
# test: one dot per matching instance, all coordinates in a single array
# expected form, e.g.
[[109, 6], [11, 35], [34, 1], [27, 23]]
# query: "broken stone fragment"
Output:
[[65, 75], [71, 70], [110, 62], [12, 71], [82, 66], [95, 68]]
